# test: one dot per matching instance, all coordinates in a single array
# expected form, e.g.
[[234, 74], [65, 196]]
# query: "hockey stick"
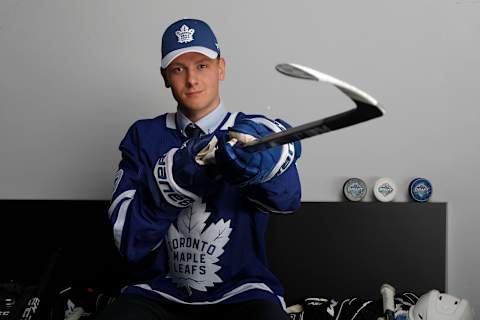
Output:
[[27, 307], [388, 296], [367, 108]]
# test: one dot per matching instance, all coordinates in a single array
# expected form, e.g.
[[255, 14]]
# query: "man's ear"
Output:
[[165, 78], [221, 68]]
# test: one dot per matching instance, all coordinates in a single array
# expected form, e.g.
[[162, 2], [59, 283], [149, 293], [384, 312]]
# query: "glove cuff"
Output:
[[171, 191], [288, 150]]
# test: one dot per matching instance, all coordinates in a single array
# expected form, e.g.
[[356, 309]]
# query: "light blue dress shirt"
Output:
[[208, 124]]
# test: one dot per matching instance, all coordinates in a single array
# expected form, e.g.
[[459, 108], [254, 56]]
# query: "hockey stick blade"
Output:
[[367, 108]]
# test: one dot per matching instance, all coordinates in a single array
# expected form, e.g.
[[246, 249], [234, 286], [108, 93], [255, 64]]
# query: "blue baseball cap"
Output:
[[188, 35]]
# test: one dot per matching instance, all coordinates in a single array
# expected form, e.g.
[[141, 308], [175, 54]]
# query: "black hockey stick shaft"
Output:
[[311, 129], [28, 304]]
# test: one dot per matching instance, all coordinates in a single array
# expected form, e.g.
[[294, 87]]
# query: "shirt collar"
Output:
[[208, 124]]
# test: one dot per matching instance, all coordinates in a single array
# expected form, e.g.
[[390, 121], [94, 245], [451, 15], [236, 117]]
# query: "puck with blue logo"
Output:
[[354, 189], [420, 189], [384, 189]]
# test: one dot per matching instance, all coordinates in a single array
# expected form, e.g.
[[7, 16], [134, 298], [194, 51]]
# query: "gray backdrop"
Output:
[[75, 74]]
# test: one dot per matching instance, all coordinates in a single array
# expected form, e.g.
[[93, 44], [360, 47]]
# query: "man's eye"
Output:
[[202, 66], [177, 69]]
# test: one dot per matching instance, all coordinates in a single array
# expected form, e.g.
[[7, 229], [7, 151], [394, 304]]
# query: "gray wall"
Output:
[[75, 74]]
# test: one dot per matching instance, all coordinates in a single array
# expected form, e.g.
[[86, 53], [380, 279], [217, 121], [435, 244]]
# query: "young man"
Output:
[[190, 207]]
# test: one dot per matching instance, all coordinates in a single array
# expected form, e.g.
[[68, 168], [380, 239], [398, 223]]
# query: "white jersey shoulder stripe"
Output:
[[230, 121]]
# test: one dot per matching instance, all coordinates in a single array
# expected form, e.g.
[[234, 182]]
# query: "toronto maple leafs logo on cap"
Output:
[[185, 34]]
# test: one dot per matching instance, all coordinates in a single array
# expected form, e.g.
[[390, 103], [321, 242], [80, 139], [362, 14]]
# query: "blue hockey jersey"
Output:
[[194, 251]]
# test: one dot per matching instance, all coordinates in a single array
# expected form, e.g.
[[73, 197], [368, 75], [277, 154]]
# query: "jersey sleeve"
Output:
[[139, 215], [281, 192], [280, 195]]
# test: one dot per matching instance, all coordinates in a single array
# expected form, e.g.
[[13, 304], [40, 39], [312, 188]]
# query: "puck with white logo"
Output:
[[420, 189], [384, 189], [354, 189]]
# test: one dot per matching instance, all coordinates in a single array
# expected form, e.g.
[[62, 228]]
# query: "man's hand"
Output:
[[239, 167], [187, 171]]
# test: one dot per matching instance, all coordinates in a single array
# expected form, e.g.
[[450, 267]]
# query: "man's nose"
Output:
[[192, 77]]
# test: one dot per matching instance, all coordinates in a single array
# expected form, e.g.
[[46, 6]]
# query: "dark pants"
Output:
[[135, 307]]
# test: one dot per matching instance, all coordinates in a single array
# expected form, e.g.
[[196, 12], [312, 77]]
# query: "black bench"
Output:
[[331, 249]]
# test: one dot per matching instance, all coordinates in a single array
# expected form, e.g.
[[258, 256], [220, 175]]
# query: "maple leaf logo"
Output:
[[194, 251], [185, 34]]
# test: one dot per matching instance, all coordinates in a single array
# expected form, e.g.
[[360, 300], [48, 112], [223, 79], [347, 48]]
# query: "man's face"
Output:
[[194, 79]]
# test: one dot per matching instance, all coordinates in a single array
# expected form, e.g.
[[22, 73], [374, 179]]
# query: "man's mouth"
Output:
[[193, 93]]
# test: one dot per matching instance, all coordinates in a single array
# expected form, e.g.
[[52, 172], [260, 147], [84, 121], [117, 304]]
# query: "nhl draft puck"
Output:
[[354, 189], [384, 189], [420, 189]]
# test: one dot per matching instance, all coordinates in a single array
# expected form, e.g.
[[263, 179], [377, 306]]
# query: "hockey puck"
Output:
[[354, 189], [384, 190], [420, 189]]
